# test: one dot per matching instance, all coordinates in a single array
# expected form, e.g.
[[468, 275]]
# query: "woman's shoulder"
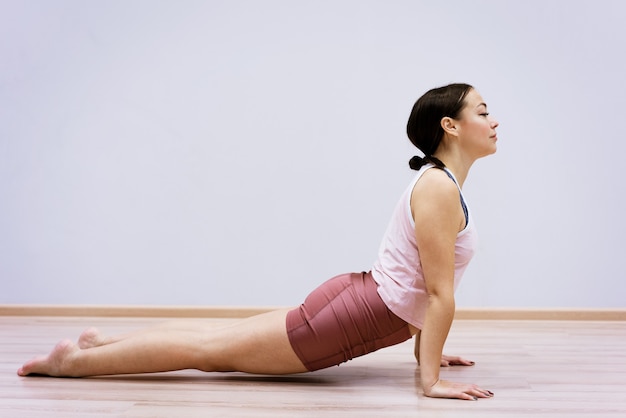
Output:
[[436, 183]]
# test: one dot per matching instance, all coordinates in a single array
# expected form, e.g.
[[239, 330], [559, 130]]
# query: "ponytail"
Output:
[[418, 162]]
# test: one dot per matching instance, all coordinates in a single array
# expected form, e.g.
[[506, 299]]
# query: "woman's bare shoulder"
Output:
[[435, 183]]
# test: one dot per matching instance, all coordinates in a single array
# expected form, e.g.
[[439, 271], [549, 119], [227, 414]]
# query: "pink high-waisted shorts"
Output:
[[342, 319]]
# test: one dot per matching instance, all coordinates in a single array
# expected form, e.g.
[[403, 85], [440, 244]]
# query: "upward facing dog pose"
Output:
[[409, 290]]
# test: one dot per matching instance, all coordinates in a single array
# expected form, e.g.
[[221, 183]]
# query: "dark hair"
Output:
[[424, 125]]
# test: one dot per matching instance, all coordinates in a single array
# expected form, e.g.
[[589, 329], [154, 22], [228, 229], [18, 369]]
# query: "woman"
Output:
[[410, 290]]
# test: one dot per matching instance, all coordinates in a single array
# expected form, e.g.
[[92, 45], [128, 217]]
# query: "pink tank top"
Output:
[[398, 270]]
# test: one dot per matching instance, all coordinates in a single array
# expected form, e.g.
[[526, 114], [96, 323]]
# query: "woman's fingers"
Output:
[[445, 389], [455, 361], [480, 393]]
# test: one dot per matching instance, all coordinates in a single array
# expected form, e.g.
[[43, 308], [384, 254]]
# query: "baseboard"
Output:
[[562, 314], [135, 311], [543, 314]]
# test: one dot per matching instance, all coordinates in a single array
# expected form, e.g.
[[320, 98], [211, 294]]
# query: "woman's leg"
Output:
[[255, 345], [91, 337]]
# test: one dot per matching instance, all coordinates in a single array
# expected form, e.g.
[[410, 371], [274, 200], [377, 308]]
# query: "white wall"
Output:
[[241, 152]]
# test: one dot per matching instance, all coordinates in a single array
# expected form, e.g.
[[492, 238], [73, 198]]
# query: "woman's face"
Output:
[[476, 127]]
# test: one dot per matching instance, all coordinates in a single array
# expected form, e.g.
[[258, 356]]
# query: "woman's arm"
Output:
[[438, 218]]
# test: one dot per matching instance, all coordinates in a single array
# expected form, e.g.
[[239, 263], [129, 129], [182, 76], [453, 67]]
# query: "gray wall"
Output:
[[242, 152]]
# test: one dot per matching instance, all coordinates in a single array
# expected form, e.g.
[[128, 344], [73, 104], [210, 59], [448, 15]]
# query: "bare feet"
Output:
[[90, 338], [57, 363]]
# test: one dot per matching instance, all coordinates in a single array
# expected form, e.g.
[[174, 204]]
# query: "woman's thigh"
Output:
[[258, 344]]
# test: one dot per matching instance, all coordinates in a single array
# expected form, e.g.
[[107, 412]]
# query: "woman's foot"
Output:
[[90, 338], [57, 363]]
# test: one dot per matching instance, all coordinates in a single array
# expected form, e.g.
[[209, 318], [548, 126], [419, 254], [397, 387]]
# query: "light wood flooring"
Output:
[[535, 368]]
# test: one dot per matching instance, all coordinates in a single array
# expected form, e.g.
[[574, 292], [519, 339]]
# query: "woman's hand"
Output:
[[447, 361], [445, 389]]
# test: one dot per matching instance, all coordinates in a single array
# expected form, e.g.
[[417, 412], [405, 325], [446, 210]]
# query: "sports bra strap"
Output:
[[465, 212]]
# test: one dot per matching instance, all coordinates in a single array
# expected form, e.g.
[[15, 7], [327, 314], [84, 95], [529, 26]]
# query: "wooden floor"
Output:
[[535, 368]]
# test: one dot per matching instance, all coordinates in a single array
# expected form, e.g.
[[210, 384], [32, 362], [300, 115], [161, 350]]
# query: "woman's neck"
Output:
[[456, 164]]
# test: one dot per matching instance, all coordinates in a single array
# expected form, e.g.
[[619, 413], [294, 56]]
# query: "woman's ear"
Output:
[[449, 126]]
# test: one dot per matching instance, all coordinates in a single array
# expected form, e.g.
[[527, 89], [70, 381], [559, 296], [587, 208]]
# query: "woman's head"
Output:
[[424, 126]]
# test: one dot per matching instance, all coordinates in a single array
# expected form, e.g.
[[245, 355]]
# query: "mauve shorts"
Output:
[[342, 319]]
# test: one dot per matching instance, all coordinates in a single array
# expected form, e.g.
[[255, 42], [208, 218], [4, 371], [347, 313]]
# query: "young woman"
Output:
[[409, 291]]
